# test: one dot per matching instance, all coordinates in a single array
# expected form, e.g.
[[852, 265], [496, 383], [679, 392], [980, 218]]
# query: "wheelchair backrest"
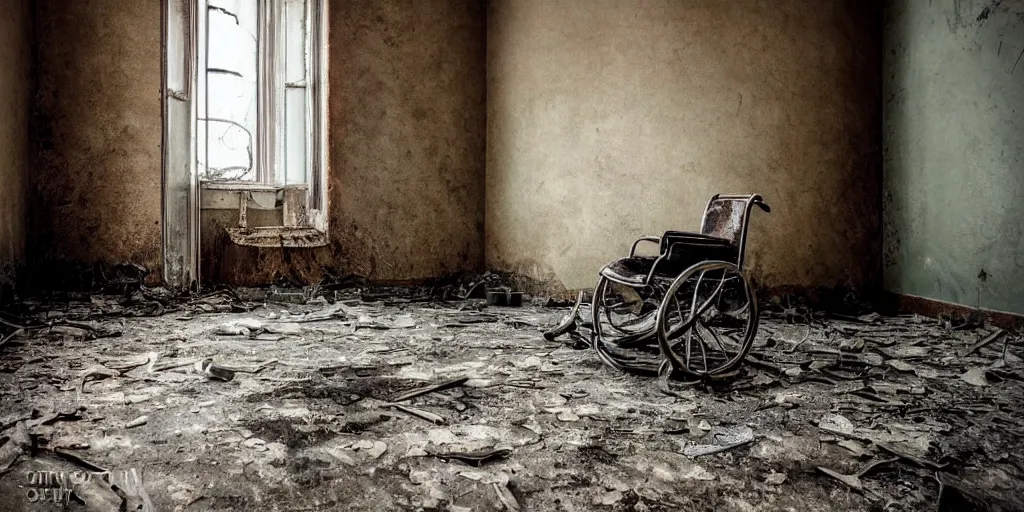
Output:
[[724, 219], [727, 216]]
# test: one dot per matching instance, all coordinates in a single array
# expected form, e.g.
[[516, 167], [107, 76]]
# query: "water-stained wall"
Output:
[[15, 91], [608, 120], [406, 151], [96, 133], [954, 151]]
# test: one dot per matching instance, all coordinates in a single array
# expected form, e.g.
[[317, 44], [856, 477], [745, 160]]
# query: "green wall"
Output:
[[953, 151]]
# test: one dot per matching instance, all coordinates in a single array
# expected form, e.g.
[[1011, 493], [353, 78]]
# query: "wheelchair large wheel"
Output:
[[623, 325], [707, 321]]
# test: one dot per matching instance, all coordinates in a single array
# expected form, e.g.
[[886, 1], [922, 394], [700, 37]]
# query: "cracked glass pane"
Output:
[[231, 90]]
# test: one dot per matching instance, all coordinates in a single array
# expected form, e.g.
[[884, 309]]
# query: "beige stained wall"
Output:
[[407, 142], [15, 90], [608, 120], [96, 182]]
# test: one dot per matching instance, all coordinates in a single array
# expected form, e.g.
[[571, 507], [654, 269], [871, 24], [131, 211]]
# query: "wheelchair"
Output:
[[688, 312]]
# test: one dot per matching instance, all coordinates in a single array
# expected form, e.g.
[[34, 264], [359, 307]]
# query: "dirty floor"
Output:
[[309, 421]]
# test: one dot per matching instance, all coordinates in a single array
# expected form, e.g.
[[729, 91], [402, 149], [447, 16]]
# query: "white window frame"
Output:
[[184, 26]]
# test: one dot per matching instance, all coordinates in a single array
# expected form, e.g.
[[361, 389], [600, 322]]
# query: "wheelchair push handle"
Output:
[[763, 205]]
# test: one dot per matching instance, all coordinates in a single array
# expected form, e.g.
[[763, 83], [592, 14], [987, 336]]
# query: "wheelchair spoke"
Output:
[[714, 336], [718, 322]]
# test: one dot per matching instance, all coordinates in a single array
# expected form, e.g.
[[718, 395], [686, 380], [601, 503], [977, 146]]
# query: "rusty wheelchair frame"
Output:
[[690, 312]]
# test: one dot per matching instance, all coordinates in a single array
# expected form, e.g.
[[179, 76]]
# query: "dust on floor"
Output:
[[308, 423]]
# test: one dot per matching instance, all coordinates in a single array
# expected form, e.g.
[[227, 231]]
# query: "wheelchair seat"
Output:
[[678, 250]]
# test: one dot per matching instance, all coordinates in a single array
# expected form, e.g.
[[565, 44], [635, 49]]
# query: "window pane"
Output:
[[295, 135], [177, 45], [295, 138], [295, 40], [231, 76]]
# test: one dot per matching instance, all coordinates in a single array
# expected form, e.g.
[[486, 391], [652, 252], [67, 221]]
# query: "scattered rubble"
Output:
[[137, 422], [363, 399]]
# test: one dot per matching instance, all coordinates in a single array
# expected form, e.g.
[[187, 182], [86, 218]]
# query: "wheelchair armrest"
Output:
[[675, 249], [678, 250], [654, 239], [666, 255]]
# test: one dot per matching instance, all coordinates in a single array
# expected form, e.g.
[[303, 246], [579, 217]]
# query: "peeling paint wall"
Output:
[[406, 151], [954, 151], [608, 120], [15, 94]]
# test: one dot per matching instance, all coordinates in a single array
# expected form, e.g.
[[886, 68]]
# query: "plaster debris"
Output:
[[376, 449], [137, 422], [567, 415], [608, 499], [239, 327], [836, 424], [17, 444], [723, 439], [98, 495], [975, 377], [213, 371]]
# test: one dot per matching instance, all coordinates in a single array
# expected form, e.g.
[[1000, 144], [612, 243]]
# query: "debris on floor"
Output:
[[405, 400]]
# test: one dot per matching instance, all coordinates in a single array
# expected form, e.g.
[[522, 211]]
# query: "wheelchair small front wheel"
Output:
[[707, 321]]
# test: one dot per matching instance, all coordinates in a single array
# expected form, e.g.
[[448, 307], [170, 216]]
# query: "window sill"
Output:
[[225, 195], [289, 200], [278, 236], [245, 186]]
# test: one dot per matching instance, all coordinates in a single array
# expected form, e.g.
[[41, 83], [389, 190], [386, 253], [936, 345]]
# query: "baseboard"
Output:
[[933, 308]]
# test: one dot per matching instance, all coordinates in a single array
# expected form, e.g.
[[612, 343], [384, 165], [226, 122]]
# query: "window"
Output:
[[257, 106], [252, 73]]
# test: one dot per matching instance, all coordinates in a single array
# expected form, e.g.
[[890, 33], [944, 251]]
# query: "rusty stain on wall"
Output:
[[15, 87], [406, 145], [622, 119]]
